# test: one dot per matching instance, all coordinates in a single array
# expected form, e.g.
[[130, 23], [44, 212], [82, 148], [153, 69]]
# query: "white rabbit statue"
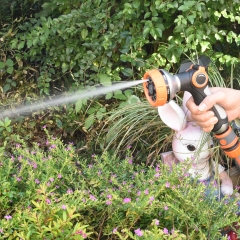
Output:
[[189, 143]]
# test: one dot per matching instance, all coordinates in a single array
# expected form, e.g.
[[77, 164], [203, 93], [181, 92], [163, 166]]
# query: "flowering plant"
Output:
[[55, 194]]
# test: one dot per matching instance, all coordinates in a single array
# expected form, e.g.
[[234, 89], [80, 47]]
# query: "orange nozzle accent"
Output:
[[160, 86], [235, 153], [201, 70]]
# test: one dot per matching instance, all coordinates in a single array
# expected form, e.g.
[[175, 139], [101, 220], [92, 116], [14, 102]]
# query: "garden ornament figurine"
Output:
[[189, 142]]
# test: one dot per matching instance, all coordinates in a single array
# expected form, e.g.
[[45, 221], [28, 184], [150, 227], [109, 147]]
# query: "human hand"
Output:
[[228, 98]]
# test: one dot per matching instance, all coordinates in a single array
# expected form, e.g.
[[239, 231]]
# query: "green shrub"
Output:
[[53, 193]]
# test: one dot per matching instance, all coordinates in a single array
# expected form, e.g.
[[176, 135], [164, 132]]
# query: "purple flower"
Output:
[[167, 184], [37, 181], [92, 197], [165, 231], [127, 200], [108, 202], [109, 196], [8, 217], [165, 208], [69, 191], [138, 232], [146, 191], [64, 207], [156, 222], [48, 201], [151, 198], [59, 176], [1, 230], [115, 230], [18, 179], [34, 165], [130, 161], [51, 179], [44, 126]]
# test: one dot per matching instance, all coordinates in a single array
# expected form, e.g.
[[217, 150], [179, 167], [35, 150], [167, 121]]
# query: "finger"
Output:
[[207, 125], [190, 104], [204, 117], [209, 101]]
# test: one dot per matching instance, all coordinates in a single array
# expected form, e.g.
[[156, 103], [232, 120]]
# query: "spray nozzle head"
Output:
[[151, 89], [155, 88]]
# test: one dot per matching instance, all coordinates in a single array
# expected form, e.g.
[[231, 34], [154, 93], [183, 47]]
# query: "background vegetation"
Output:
[[57, 47]]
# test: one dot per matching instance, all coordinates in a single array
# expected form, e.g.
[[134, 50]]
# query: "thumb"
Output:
[[208, 102]]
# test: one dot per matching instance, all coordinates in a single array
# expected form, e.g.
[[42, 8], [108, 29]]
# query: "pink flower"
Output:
[[165, 231], [69, 191], [109, 196], [48, 201], [108, 202], [151, 198], [64, 207], [166, 208], [157, 222], [92, 197], [8, 217], [37, 181], [127, 200], [167, 184], [138, 232], [115, 230], [59, 176]]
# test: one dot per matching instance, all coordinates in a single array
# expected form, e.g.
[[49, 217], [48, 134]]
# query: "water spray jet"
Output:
[[65, 99]]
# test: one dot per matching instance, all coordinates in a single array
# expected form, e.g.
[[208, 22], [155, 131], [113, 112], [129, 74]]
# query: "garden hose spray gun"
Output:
[[162, 87]]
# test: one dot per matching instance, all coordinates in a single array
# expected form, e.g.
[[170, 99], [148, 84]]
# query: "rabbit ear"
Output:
[[186, 96], [173, 116]]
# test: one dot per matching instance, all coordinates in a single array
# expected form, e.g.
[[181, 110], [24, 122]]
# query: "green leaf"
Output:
[[6, 87], [105, 80], [191, 18], [136, 3], [64, 216], [10, 70], [9, 63], [2, 64], [108, 96], [91, 110], [84, 33], [59, 123], [147, 15], [21, 45], [133, 99], [204, 45], [128, 93], [120, 96], [127, 72], [29, 43], [7, 122], [64, 67], [89, 121], [99, 115], [78, 105]]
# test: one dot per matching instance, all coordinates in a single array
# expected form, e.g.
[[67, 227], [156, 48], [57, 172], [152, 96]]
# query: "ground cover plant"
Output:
[[56, 194], [109, 183], [50, 47]]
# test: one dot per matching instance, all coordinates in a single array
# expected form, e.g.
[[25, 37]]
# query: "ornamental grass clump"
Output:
[[52, 193]]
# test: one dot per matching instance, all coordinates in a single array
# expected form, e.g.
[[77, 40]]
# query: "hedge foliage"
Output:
[[49, 47]]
